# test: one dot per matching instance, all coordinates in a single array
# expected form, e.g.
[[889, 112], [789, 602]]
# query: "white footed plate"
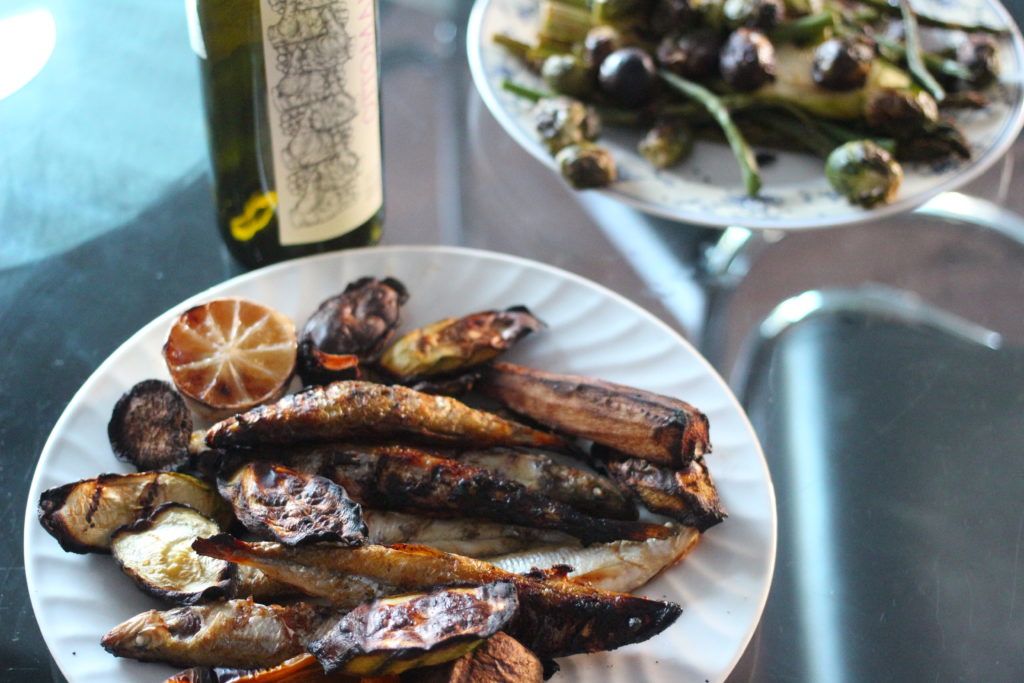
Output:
[[722, 585], [707, 189]]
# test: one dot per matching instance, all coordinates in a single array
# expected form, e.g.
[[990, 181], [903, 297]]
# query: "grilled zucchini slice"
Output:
[[83, 515]]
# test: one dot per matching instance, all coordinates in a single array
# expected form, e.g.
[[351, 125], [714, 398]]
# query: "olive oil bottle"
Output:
[[291, 95]]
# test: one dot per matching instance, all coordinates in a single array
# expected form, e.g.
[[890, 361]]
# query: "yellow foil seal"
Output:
[[257, 213]]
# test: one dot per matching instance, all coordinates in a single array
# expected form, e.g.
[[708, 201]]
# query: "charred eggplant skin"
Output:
[[292, 507], [350, 329], [664, 430], [394, 634], [150, 426]]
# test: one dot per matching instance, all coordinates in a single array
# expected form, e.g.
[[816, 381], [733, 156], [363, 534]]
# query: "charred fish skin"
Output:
[[557, 617], [661, 429], [411, 480], [355, 409], [586, 491], [236, 633], [292, 507], [687, 495]]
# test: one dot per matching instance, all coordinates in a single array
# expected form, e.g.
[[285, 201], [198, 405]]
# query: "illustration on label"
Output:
[[321, 67]]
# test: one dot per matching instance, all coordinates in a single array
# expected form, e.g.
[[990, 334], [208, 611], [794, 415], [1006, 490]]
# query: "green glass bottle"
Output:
[[291, 94]]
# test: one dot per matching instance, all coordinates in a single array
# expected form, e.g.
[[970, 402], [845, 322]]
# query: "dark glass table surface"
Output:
[[880, 364]]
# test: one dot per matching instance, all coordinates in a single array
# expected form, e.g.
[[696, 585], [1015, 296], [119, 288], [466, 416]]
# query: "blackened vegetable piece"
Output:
[[671, 16], [600, 42], [692, 54], [979, 53], [667, 143], [150, 426], [568, 75], [562, 121], [842, 64], [943, 141], [586, 166], [292, 507], [351, 328], [895, 112], [864, 173], [398, 633], [747, 60], [763, 15], [628, 77]]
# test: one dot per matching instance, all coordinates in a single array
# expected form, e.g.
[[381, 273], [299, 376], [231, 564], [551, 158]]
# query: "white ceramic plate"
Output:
[[722, 585], [707, 189]]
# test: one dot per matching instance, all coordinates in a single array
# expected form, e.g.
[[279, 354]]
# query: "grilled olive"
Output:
[[586, 165], [693, 54], [747, 60], [842, 64], [628, 76], [600, 42], [864, 173], [763, 15]]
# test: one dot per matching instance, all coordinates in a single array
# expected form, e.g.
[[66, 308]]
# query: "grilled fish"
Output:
[[302, 668], [411, 480], [664, 430], [236, 633], [557, 616], [621, 566], [687, 494], [353, 409], [469, 537], [586, 491]]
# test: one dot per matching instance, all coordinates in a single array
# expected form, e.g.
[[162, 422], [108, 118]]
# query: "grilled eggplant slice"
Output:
[[292, 507], [557, 616], [469, 537], [235, 633], [407, 479], [350, 330], [83, 515], [156, 552], [457, 344], [502, 659], [663, 430], [353, 409], [150, 426], [302, 668], [394, 634], [687, 494], [586, 491]]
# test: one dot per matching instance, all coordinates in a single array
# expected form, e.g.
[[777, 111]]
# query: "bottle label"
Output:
[[320, 58]]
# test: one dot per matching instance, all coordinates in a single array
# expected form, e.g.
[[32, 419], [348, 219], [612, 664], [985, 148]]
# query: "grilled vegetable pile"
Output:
[[372, 525], [864, 84]]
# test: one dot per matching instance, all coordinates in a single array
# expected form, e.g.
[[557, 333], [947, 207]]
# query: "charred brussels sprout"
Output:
[[894, 112], [667, 143], [692, 55], [586, 165], [567, 75], [762, 15], [562, 121], [747, 60], [628, 77], [864, 173], [842, 64], [978, 52], [944, 140]]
